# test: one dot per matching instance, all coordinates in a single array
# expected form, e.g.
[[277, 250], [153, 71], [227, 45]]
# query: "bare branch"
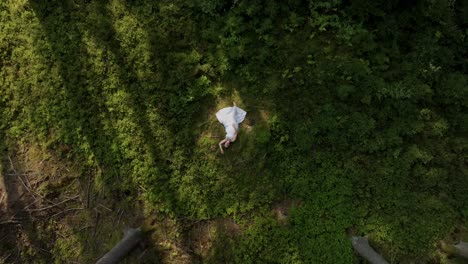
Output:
[[11, 164], [67, 210], [54, 205]]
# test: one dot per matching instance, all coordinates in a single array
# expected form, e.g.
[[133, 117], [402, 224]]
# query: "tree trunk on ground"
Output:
[[361, 245], [462, 249], [131, 238]]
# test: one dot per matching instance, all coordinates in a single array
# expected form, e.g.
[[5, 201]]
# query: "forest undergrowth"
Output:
[[356, 125]]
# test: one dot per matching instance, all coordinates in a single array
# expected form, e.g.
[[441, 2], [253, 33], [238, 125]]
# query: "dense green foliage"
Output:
[[358, 108]]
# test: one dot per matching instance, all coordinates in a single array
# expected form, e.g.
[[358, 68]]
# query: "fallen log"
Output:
[[132, 237], [361, 245], [461, 249]]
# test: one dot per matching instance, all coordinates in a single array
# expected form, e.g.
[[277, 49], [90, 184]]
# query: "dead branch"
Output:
[[96, 222], [120, 216], [3, 238], [25, 186], [13, 220], [54, 205], [45, 251], [34, 194], [67, 210], [69, 185], [88, 190], [142, 254], [108, 209], [3, 260], [11, 164], [143, 188], [9, 222], [84, 227], [35, 201], [21, 174]]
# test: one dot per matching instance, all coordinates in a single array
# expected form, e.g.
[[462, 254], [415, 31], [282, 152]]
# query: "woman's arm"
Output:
[[220, 145]]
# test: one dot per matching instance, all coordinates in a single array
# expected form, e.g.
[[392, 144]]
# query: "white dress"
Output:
[[229, 116]]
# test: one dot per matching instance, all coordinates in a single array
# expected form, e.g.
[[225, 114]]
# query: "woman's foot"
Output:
[[234, 103]]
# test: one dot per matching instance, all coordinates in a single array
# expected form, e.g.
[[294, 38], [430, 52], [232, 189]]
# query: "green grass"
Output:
[[360, 118]]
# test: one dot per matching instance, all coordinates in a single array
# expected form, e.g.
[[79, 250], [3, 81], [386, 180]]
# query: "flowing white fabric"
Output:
[[231, 116]]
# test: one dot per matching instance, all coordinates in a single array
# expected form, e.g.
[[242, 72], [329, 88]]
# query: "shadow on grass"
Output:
[[130, 109], [15, 222], [86, 123]]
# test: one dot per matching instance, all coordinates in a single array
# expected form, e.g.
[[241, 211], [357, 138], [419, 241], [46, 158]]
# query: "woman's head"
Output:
[[226, 144]]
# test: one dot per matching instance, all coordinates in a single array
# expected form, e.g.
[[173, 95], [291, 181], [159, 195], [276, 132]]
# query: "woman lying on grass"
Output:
[[230, 117]]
